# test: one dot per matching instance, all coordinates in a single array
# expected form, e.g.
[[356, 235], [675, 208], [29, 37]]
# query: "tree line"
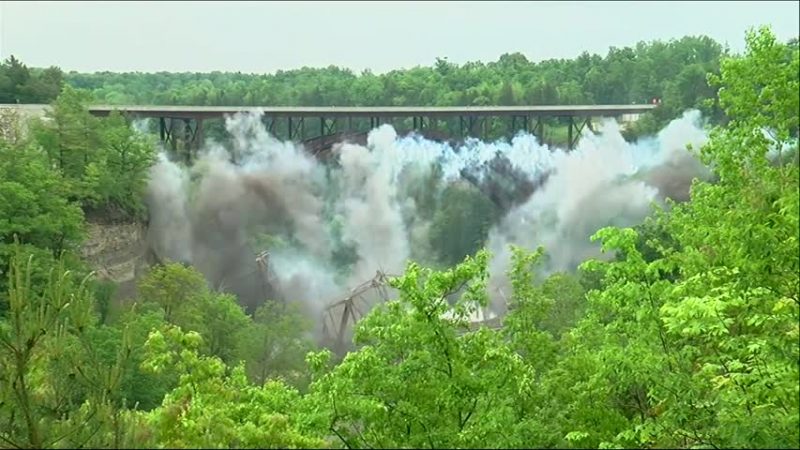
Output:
[[673, 71], [20, 84]]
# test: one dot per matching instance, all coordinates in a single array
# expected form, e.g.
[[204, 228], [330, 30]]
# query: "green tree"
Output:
[[54, 390], [275, 344], [140, 389], [506, 95], [173, 287], [461, 224], [34, 210], [213, 409], [104, 162], [122, 167], [33, 206], [13, 77], [69, 136], [183, 295]]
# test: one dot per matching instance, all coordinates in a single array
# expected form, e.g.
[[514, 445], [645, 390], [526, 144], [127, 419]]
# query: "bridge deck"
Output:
[[373, 111], [470, 117]]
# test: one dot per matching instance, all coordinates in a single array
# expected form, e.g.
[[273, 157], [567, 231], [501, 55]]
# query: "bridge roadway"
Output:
[[187, 121], [330, 117], [206, 112]]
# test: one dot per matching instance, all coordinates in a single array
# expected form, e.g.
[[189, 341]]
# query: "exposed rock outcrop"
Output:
[[116, 251]]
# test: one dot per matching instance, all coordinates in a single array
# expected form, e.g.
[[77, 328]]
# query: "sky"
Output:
[[256, 37]]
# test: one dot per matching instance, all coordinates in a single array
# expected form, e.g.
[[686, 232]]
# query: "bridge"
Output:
[[185, 123], [291, 123]]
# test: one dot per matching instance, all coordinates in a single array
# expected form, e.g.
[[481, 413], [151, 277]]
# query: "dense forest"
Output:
[[674, 72], [687, 338]]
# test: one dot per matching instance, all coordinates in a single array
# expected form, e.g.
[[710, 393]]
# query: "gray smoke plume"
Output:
[[264, 219], [212, 215], [673, 167]]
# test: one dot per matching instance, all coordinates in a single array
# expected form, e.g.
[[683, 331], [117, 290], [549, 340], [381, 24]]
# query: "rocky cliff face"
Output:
[[117, 252]]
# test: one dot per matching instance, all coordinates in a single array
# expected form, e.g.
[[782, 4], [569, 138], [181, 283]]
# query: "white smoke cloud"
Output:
[[373, 219], [211, 214], [169, 229], [605, 181]]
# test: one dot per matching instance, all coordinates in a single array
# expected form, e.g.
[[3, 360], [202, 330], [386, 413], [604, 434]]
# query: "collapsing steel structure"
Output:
[[185, 123], [338, 315]]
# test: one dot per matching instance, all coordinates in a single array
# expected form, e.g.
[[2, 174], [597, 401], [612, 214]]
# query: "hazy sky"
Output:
[[264, 37]]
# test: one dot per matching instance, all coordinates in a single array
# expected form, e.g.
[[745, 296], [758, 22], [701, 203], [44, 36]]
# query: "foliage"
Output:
[[182, 294], [416, 381], [211, 408], [274, 345], [138, 389], [103, 161], [54, 390], [714, 349], [173, 287], [461, 224], [33, 204], [19, 84], [624, 75], [34, 211]]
